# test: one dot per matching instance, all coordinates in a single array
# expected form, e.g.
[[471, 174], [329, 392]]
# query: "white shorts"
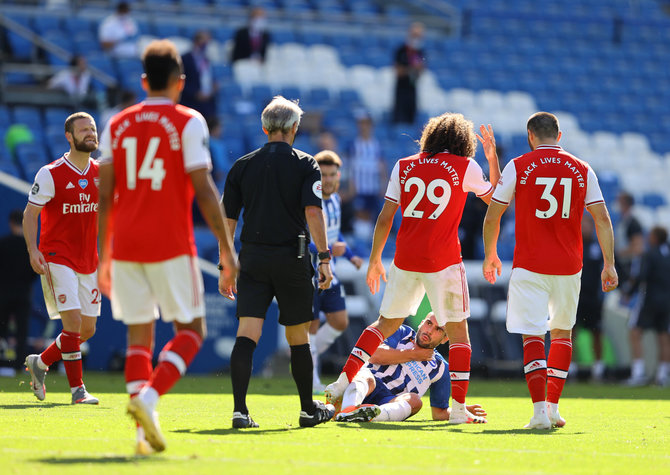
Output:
[[64, 289], [175, 286], [540, 302], [447, 292]]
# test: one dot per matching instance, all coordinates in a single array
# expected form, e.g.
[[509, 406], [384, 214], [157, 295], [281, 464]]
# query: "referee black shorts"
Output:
[[272, 271]]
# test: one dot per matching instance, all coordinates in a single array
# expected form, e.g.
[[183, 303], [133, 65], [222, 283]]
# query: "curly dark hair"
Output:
[[449, 132]]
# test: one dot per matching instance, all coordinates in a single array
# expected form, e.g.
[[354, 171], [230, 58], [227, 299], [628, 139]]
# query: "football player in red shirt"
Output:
[[64, 197], [552, 188], [430, 188], [154, 161]]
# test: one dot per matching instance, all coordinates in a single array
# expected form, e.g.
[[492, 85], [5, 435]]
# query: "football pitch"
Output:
[[610, 429]]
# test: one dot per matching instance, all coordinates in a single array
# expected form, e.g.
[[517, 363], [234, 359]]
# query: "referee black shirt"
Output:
[[273, 184]]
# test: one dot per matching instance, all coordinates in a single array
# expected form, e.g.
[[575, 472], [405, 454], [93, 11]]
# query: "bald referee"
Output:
[[279, 189]]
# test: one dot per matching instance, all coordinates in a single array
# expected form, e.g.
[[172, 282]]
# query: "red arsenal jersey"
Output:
[[552, 187], [69, 216], [431, 192], [153, 146]]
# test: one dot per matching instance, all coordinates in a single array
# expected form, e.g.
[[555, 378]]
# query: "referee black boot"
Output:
[[322, 413], [243, 421]]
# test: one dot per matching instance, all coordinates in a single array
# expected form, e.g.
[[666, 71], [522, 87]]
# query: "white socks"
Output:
[[662, 372], [325, 337], [355, 393], [637, 369], [149, 396], [316, 380], [394, 411]]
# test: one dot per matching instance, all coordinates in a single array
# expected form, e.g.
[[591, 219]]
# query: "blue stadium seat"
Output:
[[291, 92], [55, 116], [74, 25], [318, 98], [28, 115], [165, 30], [653, 200], [5, 119], [21, 48], [56, 141], [44, 23]]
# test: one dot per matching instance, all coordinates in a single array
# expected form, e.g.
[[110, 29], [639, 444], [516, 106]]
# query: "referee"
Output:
[[279, 189]]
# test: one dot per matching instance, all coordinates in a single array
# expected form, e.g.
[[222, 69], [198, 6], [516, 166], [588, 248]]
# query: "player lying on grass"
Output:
[[398, 374]]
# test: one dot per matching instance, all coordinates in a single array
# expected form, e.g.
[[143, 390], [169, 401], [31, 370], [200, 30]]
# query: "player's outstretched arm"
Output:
[[601, 217], [492, 267], [381, 234]]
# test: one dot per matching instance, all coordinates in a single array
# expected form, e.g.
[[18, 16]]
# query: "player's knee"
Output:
[[415, 402], [339, 321], [87, 332]]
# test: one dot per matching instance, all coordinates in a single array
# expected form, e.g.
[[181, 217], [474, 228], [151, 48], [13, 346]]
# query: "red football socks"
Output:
[[560, 355], [71, 354], [366, 345], [177, 354], [138, 368], [535, 367], [53, 352], [459, 370]]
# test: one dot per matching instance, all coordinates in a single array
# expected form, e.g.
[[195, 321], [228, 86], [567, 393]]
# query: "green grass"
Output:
[[610, 429]]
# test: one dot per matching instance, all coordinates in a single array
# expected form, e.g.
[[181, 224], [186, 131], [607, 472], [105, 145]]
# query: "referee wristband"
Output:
[[324, 262]]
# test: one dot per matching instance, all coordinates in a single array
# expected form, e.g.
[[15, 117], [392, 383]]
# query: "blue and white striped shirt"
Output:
[[415, 376]]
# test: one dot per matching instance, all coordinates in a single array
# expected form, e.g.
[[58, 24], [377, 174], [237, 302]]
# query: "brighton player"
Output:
[[154, 160], [400, 372], [430, 188], [64, 198], [330, 301], [552, 188]]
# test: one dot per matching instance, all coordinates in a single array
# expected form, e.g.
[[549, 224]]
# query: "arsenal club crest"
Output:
[[62, 298]]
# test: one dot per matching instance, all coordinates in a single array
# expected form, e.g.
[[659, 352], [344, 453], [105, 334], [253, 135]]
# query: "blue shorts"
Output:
[[380, 394], [329, 300]]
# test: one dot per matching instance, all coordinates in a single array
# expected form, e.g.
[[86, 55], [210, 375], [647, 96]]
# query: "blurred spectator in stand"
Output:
[[217, 147], [409, 64], [16, 281], [653, 313], [368, 176], [118, 33], [127, 99], [590, 305], [200, 87], [251, 41], [629, 238], [76, 82]]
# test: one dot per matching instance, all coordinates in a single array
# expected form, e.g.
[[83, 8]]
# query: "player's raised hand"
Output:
[[375, 270], [488, 141], [491, 268]]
